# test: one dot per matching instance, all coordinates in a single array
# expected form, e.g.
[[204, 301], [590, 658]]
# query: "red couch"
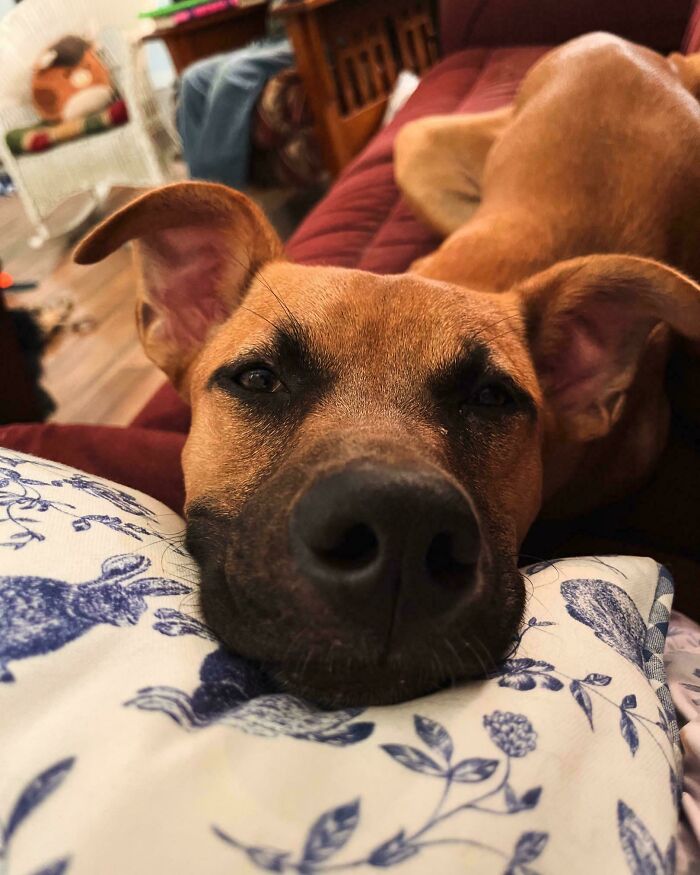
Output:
[[488, 46]]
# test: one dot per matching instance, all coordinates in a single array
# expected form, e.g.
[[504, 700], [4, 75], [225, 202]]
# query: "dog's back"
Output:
[[601, 154]]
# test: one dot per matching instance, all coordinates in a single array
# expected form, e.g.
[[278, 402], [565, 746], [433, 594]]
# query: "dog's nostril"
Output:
[[356, 547], [442, 564]]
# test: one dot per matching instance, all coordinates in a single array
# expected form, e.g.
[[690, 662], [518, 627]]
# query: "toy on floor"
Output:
[[8, 284]]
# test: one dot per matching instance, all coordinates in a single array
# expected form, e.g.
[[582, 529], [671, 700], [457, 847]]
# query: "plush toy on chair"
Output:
[[70, 81], [73, 94]]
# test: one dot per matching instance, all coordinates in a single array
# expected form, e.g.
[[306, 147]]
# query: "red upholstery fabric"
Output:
[[165, 411], [141, 458], [656, 23]]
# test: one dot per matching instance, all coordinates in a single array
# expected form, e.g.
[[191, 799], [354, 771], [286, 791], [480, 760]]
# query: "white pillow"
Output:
[[133, 743]]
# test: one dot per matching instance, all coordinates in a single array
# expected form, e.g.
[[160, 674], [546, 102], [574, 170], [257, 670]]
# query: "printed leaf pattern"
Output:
[[393, 851], [331, 831], [36, 792], [57, 868], [629, 732], [413, 759], [529, 847], [530, 799], [610, 613], [473, 770], [511, 733], [123, 567], [434, 735], [582, 697], [641, 851], [268, 858], [526, 674], [21, 499]]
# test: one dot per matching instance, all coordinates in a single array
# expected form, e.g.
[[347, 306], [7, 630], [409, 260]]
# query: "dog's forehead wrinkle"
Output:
[[378, 336], [418, 326]]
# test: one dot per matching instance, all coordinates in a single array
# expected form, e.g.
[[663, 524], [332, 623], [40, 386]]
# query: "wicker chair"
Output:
[[136, 154]]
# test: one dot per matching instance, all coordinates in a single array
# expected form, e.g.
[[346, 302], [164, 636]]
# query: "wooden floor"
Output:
[[101, 376]]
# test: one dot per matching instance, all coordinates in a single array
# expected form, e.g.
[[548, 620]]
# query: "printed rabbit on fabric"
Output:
[[39, 615], [133, 741]]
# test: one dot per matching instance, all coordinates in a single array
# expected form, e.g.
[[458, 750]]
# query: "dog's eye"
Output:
[[493, 396], [258, 380]]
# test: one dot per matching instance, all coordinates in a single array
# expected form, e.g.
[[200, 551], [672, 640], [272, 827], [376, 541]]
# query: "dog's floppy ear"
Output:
[[588, 320], [197, 246]]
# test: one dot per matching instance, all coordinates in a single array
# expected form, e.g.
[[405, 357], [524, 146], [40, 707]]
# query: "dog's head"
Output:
[[366, 451]]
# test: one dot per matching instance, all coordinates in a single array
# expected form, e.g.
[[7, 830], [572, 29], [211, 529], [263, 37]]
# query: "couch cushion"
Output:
[[134, 742], [166, 411], [363, 222]]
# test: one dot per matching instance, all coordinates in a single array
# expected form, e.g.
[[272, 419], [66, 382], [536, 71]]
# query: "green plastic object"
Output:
[[171, 9]]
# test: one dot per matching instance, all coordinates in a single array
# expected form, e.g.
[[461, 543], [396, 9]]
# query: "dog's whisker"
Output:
[[484, 328], [457, 661], [278, 298], [477, 656], [255, 272], [486, 651], [259, 315]]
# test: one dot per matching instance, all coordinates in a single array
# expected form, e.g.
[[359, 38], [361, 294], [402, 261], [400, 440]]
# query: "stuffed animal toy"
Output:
[[70, 81]]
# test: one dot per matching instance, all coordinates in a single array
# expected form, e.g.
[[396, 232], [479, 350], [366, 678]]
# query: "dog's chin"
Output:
[[360, 676], [364, 686]]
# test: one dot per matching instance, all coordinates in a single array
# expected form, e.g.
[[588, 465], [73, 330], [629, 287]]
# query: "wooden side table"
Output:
[[349, 54], [221, 32]]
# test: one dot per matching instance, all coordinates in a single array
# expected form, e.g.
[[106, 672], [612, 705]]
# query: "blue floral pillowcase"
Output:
[[133, 742]]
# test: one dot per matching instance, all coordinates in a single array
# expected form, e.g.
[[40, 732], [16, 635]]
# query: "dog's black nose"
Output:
[[386, 538]]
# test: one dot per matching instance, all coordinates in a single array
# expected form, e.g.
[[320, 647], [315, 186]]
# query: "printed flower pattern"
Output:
[[526, 674], [24, 504], [513, 733]]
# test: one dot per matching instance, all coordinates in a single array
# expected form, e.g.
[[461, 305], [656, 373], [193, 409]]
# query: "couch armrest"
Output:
[[349, 53], [463, 23]]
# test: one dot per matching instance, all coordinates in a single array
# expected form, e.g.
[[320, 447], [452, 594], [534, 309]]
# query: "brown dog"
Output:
[[368, 452]]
